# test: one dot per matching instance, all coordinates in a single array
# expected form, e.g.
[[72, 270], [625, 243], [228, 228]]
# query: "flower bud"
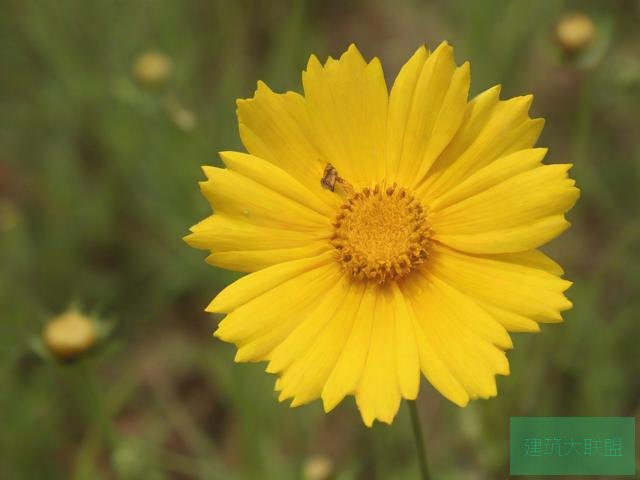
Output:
[[318, 467], [575, 32], [69, 335], [152, 68]]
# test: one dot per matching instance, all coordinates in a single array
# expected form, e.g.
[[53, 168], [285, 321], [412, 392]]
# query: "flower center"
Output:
[[381, 233]]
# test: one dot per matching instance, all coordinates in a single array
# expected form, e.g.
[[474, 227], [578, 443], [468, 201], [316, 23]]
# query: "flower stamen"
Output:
[[381, 233]]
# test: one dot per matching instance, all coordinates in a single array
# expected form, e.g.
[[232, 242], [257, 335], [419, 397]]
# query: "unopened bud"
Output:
[[69, 335], [152, 68], [318, 467], [575, 32]]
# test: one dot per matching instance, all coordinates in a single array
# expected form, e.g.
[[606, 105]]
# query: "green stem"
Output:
[[101, 410], [100, 430], [419, 439]]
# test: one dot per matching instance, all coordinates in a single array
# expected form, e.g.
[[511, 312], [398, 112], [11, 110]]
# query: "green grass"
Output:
[[98, 185]]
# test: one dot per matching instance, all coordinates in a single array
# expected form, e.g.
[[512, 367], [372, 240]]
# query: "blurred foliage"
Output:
[[98, 180]]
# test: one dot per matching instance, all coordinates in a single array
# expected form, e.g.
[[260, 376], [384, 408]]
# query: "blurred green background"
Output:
[[98, 173]]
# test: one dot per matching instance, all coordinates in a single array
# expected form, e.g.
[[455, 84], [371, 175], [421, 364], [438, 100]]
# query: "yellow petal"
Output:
[[252, 260], [491, 129], [516, 215], [514, 288], [512, 321], [471, 359], [305, 378], [347, 104], [346, 374], [255, 284], [400, 104], [223, 233], [310, 327], [246, 247], [278, 180], [431, 361], [237, 196], [378, 393], [476, 319], [243, 242], [426, 107], [477, 113], [257, 327], [406, 347], [534, 259], [276, 128], [514, 239], [494, 173], [448, 120]]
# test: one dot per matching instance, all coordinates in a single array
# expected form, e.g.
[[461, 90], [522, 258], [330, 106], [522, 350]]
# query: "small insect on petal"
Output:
[[329, 177]]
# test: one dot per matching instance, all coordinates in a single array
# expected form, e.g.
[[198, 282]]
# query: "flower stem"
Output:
[[419, 439]]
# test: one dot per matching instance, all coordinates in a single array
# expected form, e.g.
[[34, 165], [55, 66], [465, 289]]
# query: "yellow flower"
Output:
[[152, 68], [575, 32], [388, 234], [318, 467], [69, 334]]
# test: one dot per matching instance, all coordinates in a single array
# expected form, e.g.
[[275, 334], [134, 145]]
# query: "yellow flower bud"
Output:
[[318, 467], [69, 335], [575, 32], [152, 68]]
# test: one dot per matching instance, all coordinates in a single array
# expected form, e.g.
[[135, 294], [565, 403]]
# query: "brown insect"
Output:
[[329, 177]]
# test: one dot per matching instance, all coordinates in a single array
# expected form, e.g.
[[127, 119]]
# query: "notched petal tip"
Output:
[[567, 306], [326, 405], [189, 239], [539, 122], [443, 49], [353, 49], [492, 93], [578, 192], [368, 421], [225, 154], [330, 401], [421, 50], [298, 402], [375, 63], [464, 74], [270, 368], [282, 397], [542, 151], [313, 64], [508, 343], [527, 100], [352, 56], [261, 89], [214, 307], [209, 172], [203, 185]]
